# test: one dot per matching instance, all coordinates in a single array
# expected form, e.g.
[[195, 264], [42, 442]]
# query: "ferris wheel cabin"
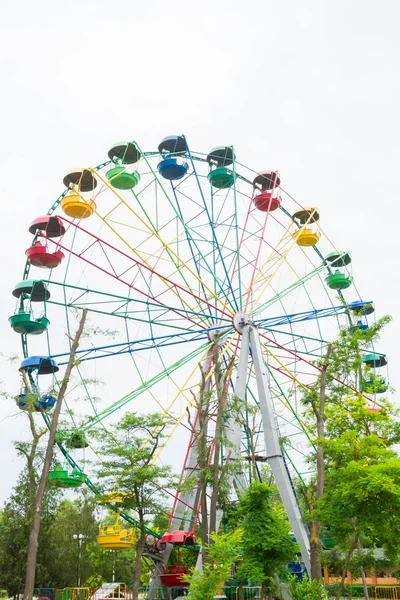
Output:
[[123, 155], [39, 255], [114, 537], [339, 279], [173, 165], [74, 205], [35, 402], [23, 320], [307, 221], [65, 477], [43, 365], [264, 191], [219, 159]]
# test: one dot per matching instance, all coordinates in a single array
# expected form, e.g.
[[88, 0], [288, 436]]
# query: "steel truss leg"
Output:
[[273, 448]]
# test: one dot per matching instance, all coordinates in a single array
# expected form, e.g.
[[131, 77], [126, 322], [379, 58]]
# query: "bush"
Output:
[[307, 589]]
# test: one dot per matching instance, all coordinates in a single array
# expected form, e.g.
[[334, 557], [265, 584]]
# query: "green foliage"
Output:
[[222, 554], [267, 546], [353, 414], [362, 496], [307, 589], [78, 516], [58, 551], [346, 370], [14, 534], [129, 465]]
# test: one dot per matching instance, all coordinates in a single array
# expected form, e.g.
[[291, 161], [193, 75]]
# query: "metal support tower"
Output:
[[250, 343]]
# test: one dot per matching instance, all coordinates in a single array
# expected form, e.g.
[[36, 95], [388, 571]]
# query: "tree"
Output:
[[356, 439], [128, 464], [14, 532], [211, 477], [35, 525], [247, 415], [267, 546], [341, 375], [72, 517], [315, 396], [362, 495]]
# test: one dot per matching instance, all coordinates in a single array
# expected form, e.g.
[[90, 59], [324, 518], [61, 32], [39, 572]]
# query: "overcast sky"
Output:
[[310, 88]]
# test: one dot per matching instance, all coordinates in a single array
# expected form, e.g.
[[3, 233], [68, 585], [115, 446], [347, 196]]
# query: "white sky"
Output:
[[310, 88]]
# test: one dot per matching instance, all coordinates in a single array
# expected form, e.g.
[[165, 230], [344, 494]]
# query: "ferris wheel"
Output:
[[170, 250]]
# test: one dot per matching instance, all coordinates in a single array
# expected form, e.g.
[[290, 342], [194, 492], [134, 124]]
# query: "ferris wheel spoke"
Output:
[[179, 262], [177, 289], [151, 343], [143, 387], [291, 288], [317, 313], [196, 260], [214, 256], [124, 307], [296, 356], [213, 233], [179, 265], [253, 279], [262, 280], [312, 346]]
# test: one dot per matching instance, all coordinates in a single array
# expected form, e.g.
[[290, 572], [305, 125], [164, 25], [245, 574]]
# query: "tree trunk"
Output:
[[138, 559], [253, 453], [315, 560], [202, 408], [30, 456], [314, 537], [321, 425], [364, 582], [241, 590], [262, 591], [315, 526], [221, 393], [35, 525], [346, 566]]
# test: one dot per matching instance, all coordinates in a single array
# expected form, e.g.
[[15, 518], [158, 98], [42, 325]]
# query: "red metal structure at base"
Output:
[[179, 538], [173, 578]]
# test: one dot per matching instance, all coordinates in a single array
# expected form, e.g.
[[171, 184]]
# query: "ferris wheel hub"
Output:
[[240, 320]]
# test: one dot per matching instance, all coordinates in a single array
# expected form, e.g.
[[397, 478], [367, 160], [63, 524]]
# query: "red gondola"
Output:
[[266, 202], [40, 256], [266, 183]]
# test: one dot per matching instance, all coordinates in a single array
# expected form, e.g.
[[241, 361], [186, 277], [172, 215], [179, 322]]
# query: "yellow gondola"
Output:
[[309, 232], [75, 207], [114, 537]]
